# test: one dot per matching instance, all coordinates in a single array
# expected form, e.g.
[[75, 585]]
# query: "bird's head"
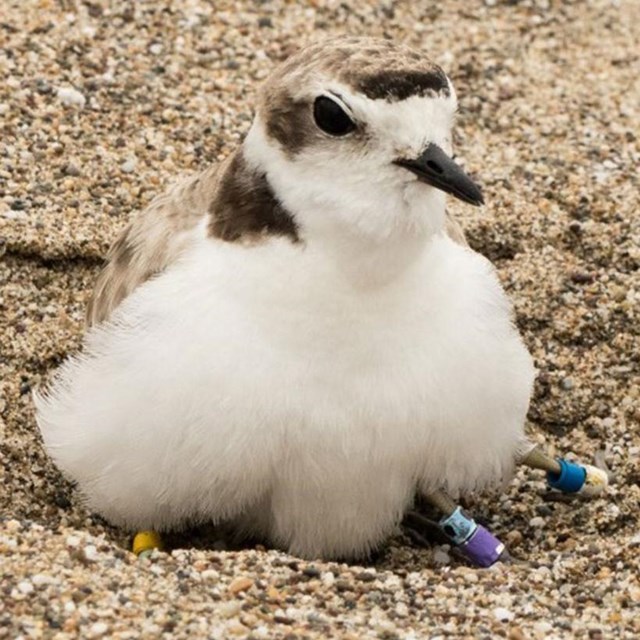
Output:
[[355, 134]]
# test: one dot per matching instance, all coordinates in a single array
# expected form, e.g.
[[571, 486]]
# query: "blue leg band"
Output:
[[570, 479], [458, 527]]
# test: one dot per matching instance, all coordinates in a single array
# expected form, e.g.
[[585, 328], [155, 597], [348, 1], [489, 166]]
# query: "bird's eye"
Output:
[[331, 118]]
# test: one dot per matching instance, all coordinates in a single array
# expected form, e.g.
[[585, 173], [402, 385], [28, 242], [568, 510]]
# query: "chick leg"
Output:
[[566, 476], [144, 542], [475, 542]]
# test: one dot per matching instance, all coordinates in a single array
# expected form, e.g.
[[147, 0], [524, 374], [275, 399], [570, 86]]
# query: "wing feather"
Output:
[[151, 242]]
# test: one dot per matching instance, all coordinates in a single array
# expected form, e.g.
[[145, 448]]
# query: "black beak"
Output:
[[436, 168]]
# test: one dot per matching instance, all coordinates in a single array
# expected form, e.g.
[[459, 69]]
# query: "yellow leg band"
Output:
[[146, 541]]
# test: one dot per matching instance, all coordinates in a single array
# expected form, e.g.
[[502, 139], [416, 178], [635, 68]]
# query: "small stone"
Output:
[[211, 575], [567, 384], [513, 539], [128, 166], [366, 576], [98, 629], [240, 584], [72, 541], [230, 609], [91, 553], [273, 593], [71, 170], [580, 277], [71, 97], [25, 587], [537, 522], [542, 627], [502, 614], [544, 510], [13, 526], [43, 87], [311, 572], [328, 579], [440, 556]]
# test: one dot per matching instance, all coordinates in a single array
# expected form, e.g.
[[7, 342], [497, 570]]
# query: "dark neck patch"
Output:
[[245, 207], [401, 84]]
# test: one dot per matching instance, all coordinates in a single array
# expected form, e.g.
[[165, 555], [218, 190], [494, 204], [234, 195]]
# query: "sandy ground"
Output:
[[103, 103]]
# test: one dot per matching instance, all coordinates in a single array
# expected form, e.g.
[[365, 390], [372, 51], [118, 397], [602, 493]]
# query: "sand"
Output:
[[103, 104]]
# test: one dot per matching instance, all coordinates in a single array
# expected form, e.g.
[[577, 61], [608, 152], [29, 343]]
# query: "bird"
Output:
[[297, 341]]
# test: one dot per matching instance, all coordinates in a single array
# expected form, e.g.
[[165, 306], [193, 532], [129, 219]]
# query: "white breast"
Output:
[[254, 383]]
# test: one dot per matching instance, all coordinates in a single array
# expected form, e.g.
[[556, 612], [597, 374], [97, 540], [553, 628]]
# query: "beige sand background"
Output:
[[549, 124]]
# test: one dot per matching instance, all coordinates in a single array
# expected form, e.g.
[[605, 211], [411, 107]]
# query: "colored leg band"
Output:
[[571, 478], [479, 545], [458, 527], [145, 542], [482, 548]]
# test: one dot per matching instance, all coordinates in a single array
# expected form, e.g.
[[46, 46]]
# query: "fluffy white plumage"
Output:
[[303, 391]]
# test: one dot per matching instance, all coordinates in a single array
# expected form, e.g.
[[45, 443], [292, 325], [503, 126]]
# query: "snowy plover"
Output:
[[293, 341]]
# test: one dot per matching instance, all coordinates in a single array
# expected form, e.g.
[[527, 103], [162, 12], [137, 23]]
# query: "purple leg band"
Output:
[[482, 548]]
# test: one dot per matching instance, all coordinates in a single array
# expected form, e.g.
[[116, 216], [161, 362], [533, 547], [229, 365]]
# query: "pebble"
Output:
[[502, 614], [240, 584], [98, 629], [441, 556], [91, 553], [71, 97], [542, 627], [513, 539], [25, 587], [72, 170], [230, 609], [567, 384], [129, 166], [72, 541]]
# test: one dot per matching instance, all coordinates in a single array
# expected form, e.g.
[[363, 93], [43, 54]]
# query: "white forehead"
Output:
[[408, 124]]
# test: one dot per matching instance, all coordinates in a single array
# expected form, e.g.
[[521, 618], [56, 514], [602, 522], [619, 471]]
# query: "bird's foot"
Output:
[[566, 476], [144, 542], [473, 540]]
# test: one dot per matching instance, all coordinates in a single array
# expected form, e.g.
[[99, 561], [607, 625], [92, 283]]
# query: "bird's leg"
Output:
[[476, 542], [144, 542], [566, 476]]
